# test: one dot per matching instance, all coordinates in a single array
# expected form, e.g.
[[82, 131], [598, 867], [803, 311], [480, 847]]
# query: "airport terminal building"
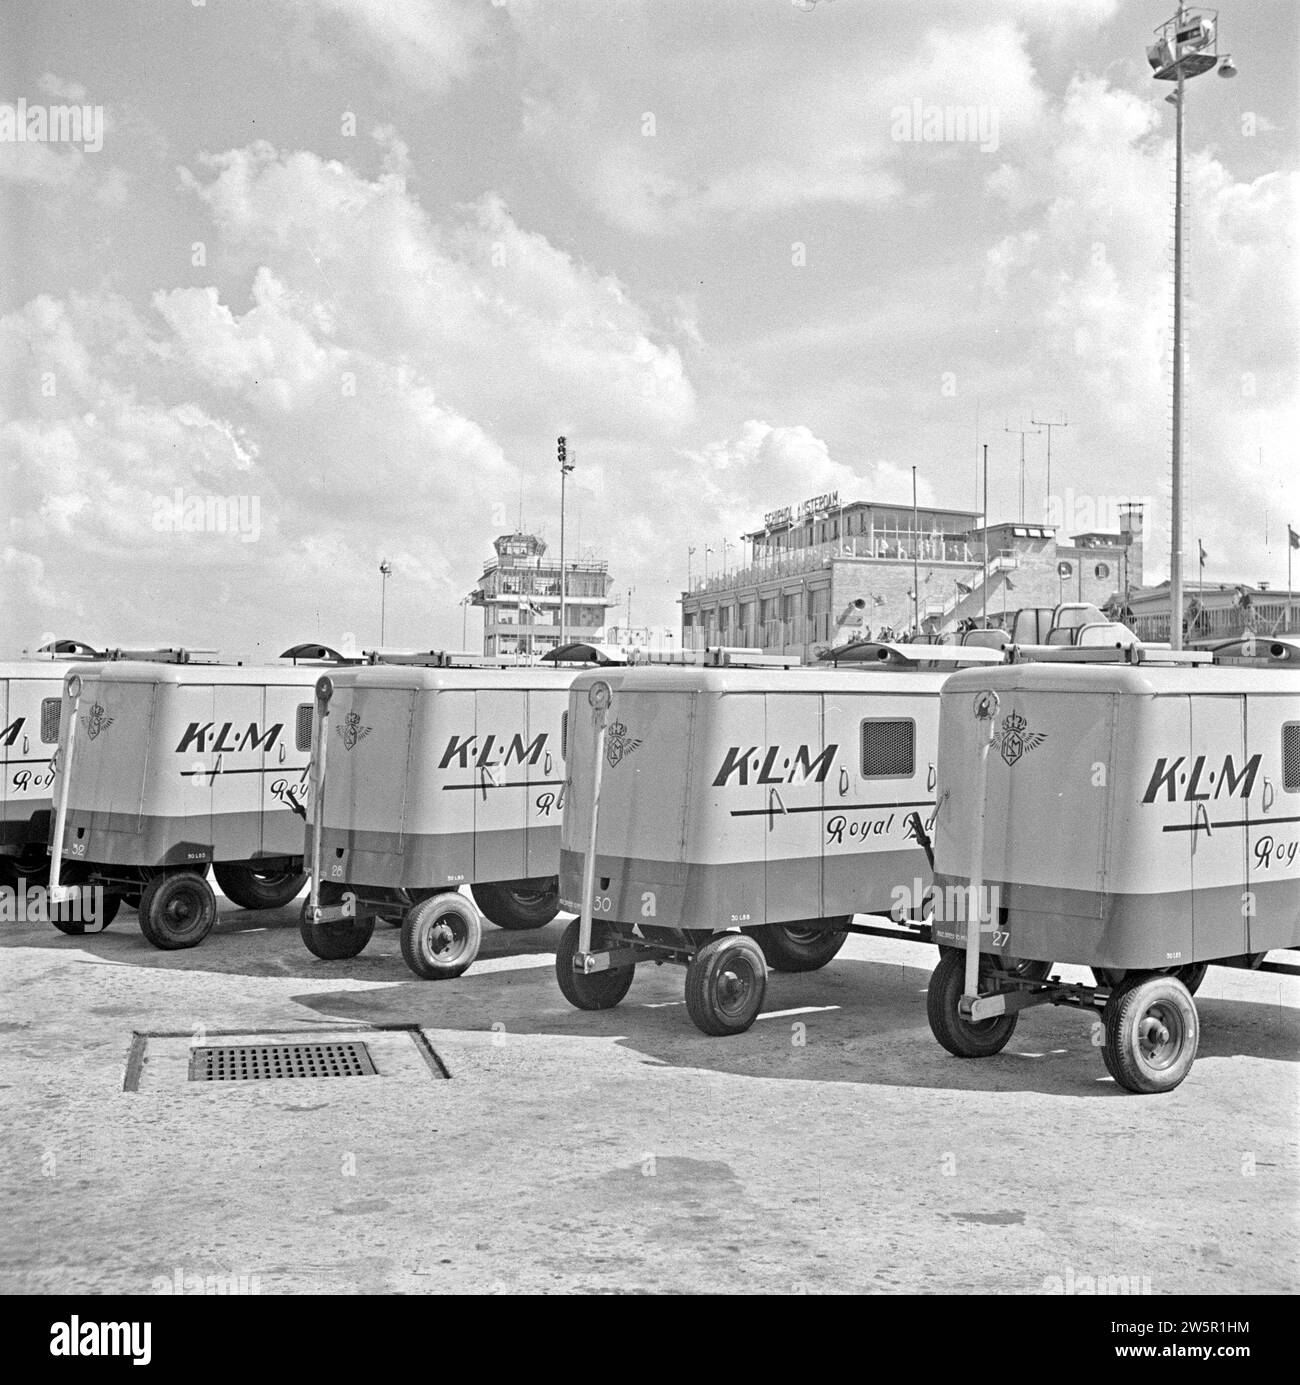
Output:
[[823, 571]]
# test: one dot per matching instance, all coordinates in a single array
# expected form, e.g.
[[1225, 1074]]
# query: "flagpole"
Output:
[[986, 536], [1290, 547]]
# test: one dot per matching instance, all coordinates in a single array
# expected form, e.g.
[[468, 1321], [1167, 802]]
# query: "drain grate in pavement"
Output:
[[262, 1062]]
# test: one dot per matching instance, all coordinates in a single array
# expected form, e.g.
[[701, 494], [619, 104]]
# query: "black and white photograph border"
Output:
[[649, 648]]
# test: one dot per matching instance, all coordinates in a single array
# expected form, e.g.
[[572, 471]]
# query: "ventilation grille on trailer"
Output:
[[1291, 755], [303, 740], [51, 708], [888, 748], [564, 735]]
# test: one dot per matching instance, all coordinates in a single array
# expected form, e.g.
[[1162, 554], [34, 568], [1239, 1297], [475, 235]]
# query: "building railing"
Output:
[[795, 562], [1263, 618], [774, 635]]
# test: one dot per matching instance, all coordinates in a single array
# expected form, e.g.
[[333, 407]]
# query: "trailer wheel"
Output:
[[519, 904], [960, 1036], [70, 918], [725, 984], [795, 947], [252, 885], [601, 990], [339, 939], [177, 910], [1152, 1033], [441, 936]]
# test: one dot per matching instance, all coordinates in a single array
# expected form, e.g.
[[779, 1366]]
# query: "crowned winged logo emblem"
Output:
[[97, 720], [618, 744], [1014, 740], [352, 730]]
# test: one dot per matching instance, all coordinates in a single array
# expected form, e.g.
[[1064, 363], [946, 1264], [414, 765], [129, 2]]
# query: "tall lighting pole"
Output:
[[566, 466], [385, 571], [986, 536], [1185, 47], [916, 543]]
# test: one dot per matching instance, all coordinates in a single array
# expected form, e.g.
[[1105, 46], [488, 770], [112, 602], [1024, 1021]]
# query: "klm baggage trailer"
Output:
[[31, 698], [31, 702], [737, 816], [430, 772], [1134, 811], [167, 771]]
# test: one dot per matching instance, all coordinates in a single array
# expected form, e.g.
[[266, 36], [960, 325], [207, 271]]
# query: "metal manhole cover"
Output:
[[259, 1062]]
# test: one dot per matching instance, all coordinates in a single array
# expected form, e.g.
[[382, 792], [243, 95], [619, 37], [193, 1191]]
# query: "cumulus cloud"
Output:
[[795, 116], [376, 386], [429, 43]]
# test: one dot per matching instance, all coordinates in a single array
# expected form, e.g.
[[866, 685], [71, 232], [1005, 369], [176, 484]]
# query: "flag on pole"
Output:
[[1293, 537], [1204, 554], [964, 589], [1011, 586]]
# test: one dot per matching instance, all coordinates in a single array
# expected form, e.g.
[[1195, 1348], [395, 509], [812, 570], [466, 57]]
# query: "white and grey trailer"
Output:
[[738, 815], [431, 772], [165, 771], [1133, 810]]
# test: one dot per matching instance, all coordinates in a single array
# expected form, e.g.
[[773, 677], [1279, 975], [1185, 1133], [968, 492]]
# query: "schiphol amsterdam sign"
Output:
[[817, 504]]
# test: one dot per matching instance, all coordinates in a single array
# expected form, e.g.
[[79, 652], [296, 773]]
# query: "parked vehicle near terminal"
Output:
[[1133, 810], [737, 814], [430, 772], [167, 770], [31, 696], [31, 701]]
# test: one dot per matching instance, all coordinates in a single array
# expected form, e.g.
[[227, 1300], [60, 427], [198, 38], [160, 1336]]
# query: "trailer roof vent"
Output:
[[1291, 756], [888, 747]]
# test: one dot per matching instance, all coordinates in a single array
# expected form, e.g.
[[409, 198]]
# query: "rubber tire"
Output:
[[441, 963], [112, 903], [601, 990], [516, 909], [961, 1037], [337, 941], [705, 977], [165, 893], [1122, 1050], [787, 947], [245, 883]]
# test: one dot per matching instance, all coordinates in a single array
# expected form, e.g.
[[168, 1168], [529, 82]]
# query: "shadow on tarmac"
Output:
[[856, 1021]]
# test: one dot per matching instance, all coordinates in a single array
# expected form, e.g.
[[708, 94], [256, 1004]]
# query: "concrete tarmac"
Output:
[[834, 1147]]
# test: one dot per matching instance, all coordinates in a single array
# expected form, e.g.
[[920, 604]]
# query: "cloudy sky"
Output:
[[358, 262]]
